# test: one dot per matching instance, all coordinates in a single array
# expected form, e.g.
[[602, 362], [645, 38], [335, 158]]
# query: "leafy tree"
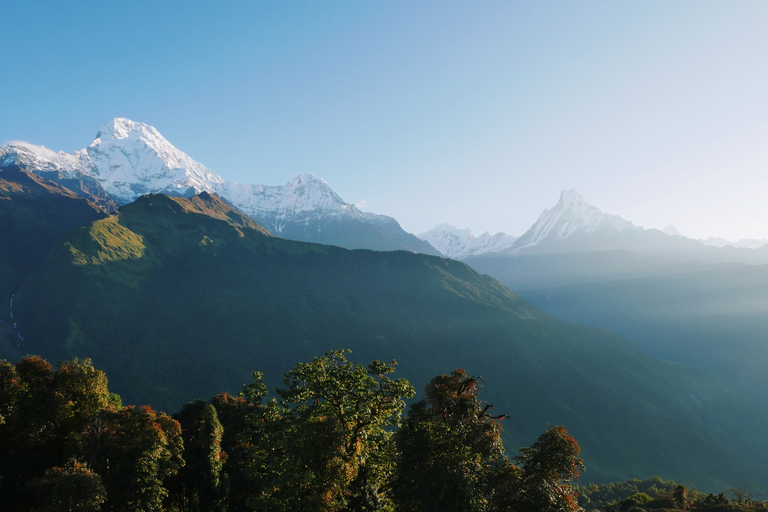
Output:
[[72, 488], [44, 414], [198, 485], [452, 455], [549, 469], [145, 448], [327, 445], [236, 479], [598, 496]]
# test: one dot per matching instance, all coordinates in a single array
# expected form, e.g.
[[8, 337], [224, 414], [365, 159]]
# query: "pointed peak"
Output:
[[570, 196], [307, 178], [122, 128]]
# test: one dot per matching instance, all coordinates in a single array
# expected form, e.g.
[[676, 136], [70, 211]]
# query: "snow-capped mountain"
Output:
[[572, 217], [301, 197], [456, 243], [129, 159]]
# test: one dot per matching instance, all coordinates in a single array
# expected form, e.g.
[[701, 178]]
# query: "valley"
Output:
[[178, 297]]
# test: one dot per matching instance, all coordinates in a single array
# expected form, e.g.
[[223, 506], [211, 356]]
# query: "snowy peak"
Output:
[[132, 159], [122, 128], [127, 158], [571, 215], [456, 243], [449, 240], [308, 187]]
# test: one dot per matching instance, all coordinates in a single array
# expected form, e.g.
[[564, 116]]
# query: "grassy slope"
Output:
[[175, 304]]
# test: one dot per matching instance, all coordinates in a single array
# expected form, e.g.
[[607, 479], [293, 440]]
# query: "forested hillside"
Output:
[[178, 299]]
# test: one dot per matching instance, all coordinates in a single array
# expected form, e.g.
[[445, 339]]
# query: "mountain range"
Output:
[[170, 278], [573, 225], [128, 159], [180, 298]]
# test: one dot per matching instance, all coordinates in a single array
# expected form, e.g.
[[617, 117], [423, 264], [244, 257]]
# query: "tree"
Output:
[[452, 456], [72, 488], [145, 448], [198, 485], [44, 415], [549, 469], [328, 440]]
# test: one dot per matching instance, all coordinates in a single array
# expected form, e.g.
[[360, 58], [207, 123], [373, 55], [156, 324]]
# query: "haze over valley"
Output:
[[398, 257]]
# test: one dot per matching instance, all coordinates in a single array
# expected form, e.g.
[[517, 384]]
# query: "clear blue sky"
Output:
[[472, 113]]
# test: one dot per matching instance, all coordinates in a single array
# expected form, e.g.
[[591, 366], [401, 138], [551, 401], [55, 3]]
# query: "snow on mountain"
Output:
[[276, 205], [490, 243], [571, 215], [456, 243], [129, 159], [132, 159], [44, 159], [449, 240]]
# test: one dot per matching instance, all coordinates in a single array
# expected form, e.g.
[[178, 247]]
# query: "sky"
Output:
[[477, 114]]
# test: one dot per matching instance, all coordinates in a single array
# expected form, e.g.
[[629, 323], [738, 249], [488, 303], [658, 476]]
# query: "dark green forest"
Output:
[[332, 438]]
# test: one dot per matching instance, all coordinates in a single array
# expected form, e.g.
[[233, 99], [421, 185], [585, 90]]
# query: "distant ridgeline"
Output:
[[181, 298], [332, 439]]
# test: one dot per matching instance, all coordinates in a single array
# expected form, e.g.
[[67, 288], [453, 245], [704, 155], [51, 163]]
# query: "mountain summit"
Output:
[[129, 159], [572, 217], [456, 243]]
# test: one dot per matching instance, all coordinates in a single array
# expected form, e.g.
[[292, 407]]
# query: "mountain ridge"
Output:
[[128, 159], [197, 302]]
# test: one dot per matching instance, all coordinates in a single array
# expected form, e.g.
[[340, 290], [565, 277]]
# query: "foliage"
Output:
[[549, 468], [658, 494], [332, 440], [450, 446], [597, 496], [73, 488], [331, 437], [57, 421], [198, 485]]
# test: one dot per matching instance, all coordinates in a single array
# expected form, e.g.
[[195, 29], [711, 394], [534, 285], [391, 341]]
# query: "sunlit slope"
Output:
[[178, 299], [34, 214]]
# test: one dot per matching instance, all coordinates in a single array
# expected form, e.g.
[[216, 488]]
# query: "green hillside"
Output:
[[177, 299], [34, 214]]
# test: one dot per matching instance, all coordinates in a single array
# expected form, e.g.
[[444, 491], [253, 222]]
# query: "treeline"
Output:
[[655, 494], [334, 438]]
